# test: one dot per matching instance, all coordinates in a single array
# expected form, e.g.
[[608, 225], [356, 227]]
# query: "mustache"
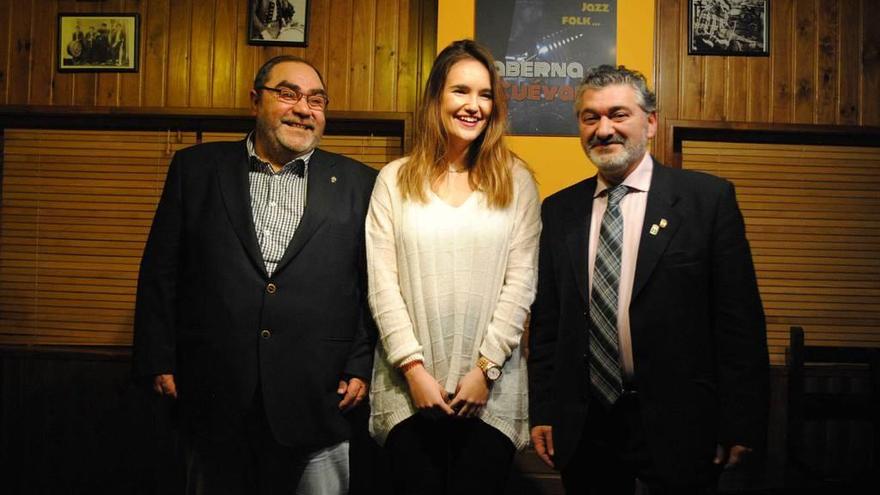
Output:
[[614, 139], [287, 120]]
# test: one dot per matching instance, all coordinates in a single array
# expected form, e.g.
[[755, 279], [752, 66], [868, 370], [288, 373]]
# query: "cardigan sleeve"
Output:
[[386, 300], [520, 277]]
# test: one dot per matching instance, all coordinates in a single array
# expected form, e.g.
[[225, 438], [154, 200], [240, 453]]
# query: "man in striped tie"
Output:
[[648, 354]]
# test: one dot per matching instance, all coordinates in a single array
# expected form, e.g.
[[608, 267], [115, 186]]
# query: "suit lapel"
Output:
[[320, 198], [232, 174], [577, 234], [661, 206]]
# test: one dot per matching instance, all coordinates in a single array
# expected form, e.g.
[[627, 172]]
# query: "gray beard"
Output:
[[613, 166]]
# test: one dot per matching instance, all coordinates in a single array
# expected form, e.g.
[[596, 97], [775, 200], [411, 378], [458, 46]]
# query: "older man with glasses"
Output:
[[251, 305]]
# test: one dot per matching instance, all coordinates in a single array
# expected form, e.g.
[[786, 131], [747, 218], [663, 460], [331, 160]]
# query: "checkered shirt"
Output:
[[277, 203]]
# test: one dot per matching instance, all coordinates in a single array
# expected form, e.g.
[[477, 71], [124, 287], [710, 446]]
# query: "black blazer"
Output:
[[696, 321], [208, 312]]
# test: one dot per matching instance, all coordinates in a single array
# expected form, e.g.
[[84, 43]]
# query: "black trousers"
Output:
[[247, 461], [448, 456], [613, 453]]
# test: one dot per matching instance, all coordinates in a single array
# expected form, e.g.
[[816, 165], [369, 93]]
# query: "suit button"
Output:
[[271, 288], [265, 334]]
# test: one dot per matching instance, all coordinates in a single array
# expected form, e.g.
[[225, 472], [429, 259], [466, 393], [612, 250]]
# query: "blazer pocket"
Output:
[[339, 340]]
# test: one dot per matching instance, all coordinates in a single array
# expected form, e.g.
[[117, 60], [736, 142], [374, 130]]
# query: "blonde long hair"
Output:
[[488, 157]]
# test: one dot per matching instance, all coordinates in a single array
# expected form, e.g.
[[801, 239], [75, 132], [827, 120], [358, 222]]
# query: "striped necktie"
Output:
[[605, 373]]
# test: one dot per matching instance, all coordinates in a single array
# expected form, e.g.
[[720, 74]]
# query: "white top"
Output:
[[447, 284]]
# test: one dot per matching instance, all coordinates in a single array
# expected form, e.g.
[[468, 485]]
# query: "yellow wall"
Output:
[[560, 161]]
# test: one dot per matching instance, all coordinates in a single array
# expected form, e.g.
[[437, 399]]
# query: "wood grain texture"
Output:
[[805, 49], [823, 69], [374, 54]]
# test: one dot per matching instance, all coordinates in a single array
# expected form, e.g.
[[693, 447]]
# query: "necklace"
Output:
[[459, 171]]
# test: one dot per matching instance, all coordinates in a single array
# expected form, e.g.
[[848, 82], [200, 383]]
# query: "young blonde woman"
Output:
[[452, 243]]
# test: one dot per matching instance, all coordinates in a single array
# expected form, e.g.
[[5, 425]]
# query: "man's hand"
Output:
[[427, 394], [353, 393], [542, 439], [471, 394], [164, 385], [737, 454]]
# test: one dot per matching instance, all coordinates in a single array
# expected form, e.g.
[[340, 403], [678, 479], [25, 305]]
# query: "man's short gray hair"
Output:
[[608, 75]]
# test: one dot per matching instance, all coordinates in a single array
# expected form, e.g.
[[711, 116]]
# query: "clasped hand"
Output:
[[430, 397]]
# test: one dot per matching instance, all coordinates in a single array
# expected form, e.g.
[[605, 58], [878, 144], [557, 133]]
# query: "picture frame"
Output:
[[98, 42], [729, 27], [278, 22]]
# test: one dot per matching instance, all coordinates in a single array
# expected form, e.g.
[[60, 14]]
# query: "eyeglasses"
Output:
[[290, 96]]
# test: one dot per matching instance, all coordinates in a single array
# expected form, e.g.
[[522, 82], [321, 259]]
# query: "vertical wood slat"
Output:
[[805, 62], [319, 32], [871, 63], [759, 82], [5, 47], [386, 56], [667, 81], [691, 77], [178, 72], [131, 83], [45, 22], [155, 41], [224, 65], [849, 62], [813, 234], [201, 53], [782, 46], [20, 53], [245, 58], [715, 80], [362, 52], [337, 75], [736, 93], [827, 75]]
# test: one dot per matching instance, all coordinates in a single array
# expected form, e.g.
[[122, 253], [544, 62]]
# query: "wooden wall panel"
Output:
[[374, 54], [823, 69]]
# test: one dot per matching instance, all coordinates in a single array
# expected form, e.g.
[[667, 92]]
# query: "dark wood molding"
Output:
[[190, 119], [678, 131]]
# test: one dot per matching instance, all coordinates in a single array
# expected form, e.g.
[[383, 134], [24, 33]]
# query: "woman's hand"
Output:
[[427, 394], [471, 394]]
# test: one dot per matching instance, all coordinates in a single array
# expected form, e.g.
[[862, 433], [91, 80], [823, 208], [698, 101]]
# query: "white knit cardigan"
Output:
[[447, 284]]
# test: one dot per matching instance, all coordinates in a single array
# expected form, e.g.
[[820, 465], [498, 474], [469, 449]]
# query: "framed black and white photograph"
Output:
[[278, 22], [98, 42], [729, 27]]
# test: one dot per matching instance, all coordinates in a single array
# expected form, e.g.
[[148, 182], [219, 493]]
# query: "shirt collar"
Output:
[[263, 166], [638, 180]]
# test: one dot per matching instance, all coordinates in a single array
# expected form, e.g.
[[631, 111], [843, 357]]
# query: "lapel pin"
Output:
[[333, 180], [654, 229], [663, 223]]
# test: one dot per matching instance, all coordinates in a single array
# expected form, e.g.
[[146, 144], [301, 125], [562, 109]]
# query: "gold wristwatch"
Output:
[[491, 371]]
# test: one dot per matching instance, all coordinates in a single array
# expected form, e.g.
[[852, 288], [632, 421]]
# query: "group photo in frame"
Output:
[[98, 42], [729, 27], [278, 22]]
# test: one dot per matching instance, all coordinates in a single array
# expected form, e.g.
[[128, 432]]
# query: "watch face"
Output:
[[493, 373]]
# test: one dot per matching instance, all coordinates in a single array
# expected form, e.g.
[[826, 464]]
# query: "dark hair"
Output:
[[263, 73], [608, 75]]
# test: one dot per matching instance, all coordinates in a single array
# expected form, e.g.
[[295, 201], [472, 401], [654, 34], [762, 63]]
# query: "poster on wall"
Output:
[[542, 49]]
